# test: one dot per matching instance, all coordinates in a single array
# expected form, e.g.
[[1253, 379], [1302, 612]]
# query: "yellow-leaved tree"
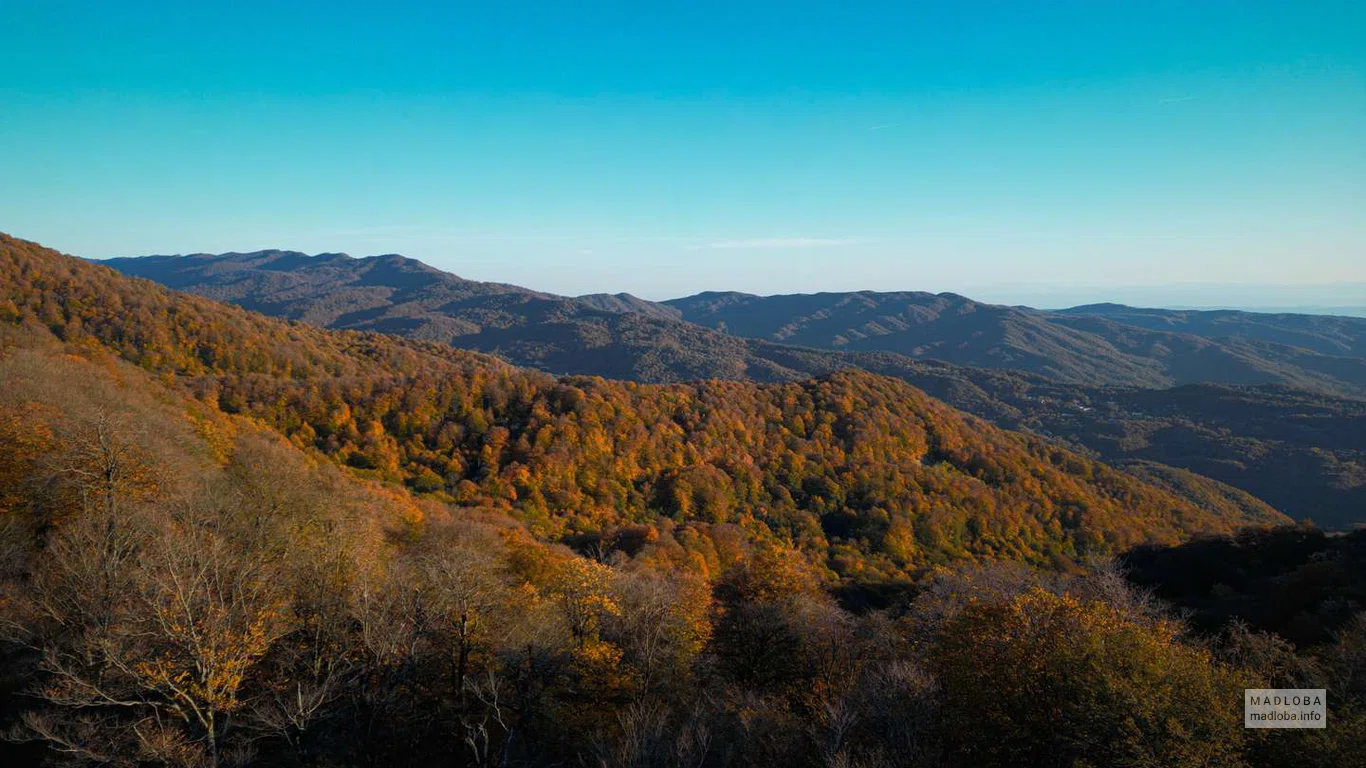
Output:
[[1047, 679]]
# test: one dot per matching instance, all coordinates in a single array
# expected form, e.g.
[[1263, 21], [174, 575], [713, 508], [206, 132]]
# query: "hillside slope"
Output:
[[871, 474], [160, 553], [597, 335], [1302, 452]]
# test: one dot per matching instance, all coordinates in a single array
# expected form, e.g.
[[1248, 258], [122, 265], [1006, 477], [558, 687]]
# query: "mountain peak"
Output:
[[1098, 307]]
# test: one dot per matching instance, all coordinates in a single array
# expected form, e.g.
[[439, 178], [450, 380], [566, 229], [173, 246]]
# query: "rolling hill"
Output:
[[1273, 450], [864, 472]]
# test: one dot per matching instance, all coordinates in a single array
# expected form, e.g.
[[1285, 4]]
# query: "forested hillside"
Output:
[[1271, 449], [1298, 583], [227, 540], [869, 475], [1302, 452]]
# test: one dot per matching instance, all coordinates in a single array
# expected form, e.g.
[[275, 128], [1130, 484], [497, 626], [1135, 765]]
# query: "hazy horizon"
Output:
[[1340, 299]]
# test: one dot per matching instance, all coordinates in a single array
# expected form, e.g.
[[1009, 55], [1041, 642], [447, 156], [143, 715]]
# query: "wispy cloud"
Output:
[[881, 127], [786, 242], [1176, 99]]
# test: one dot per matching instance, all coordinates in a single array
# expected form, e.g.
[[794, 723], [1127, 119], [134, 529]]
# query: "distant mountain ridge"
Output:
[[1325, 334], [614, 336], [625, 302], [623, 336], [1086, 345]]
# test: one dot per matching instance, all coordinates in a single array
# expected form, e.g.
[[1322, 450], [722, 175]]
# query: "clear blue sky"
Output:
[[996, 149]]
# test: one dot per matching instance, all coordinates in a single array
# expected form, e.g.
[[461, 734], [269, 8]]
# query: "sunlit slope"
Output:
[[867, 470]]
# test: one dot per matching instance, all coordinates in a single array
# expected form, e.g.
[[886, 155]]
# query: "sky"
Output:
[[1191, 153]]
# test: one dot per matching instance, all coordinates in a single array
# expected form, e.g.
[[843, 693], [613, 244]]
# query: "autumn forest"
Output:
[[228, 539]]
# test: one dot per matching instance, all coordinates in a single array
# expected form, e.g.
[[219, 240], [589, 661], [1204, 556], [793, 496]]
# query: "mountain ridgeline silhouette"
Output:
[[624, 336]]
